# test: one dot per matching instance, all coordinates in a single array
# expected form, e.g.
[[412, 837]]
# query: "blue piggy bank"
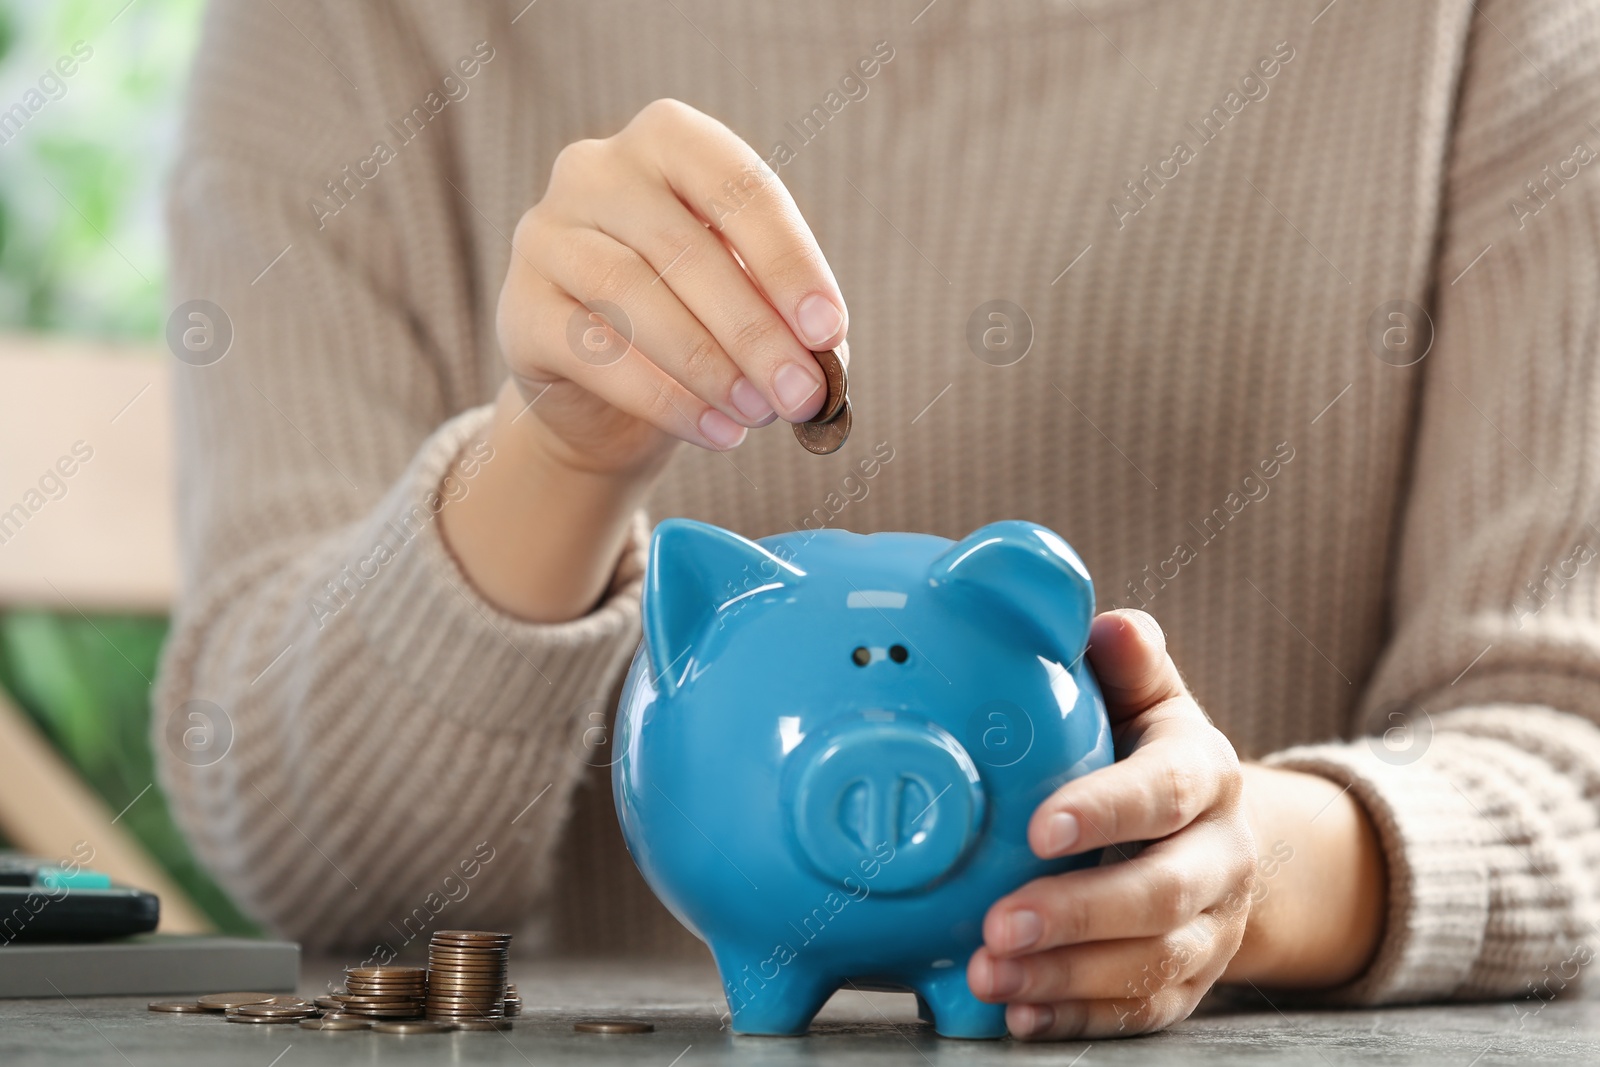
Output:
[[829, 746]]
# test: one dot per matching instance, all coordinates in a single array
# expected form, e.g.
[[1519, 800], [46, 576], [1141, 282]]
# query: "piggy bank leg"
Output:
[[956, 1012], [765, 997]]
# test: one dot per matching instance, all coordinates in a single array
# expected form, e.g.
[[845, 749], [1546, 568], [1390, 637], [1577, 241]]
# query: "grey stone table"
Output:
[[855, 1028]]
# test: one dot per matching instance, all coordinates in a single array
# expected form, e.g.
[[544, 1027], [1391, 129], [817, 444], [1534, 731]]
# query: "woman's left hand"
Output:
[[1132, 946]]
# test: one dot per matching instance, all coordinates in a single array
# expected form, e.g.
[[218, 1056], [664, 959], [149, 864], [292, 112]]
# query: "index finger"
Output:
[[721, 179]]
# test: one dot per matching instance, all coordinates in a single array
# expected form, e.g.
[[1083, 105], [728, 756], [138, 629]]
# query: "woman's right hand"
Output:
[[722, 289], [678, 224]]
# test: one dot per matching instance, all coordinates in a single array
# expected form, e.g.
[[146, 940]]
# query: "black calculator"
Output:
[[44, 901]]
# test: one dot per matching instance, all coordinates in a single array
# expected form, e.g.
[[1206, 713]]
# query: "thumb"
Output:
[[1128, 652]]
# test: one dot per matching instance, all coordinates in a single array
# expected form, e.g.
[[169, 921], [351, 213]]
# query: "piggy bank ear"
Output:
[[694, 571], [1030, 570]]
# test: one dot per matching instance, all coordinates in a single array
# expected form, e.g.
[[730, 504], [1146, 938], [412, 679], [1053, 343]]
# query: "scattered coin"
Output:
[[224, 1001], [178, 1007], [288, 1010], [829, 428], [329, 1004], [613, 1026], [237, 1017], [414, 1026], [335, 1022]]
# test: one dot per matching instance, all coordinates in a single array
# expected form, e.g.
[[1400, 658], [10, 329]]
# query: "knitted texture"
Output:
[[1380, 573]]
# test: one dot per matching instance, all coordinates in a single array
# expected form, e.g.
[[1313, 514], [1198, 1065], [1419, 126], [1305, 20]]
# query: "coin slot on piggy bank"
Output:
[[829, 746]]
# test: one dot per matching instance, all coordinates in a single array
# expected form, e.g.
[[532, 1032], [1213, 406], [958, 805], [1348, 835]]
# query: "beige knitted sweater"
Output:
[[1202, 208]]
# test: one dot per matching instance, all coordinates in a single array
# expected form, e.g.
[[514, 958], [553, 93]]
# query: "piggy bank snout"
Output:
[[883, 799]]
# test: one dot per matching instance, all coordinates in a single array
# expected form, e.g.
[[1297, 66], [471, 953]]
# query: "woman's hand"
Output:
[[722, 289], [1132, 946], [665, 289]]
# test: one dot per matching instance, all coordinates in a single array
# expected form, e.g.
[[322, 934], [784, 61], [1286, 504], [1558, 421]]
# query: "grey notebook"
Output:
[[148, 965]]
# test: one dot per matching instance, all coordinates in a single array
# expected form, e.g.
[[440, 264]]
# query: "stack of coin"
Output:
[[513, 1001], [828, 430], [383, 992], [467, 975]]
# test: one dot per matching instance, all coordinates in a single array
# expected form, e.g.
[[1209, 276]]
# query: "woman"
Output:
[[1149, 274]]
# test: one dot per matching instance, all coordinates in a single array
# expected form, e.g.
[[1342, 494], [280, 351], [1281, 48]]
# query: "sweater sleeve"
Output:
[[1482, 771], [355, 742]]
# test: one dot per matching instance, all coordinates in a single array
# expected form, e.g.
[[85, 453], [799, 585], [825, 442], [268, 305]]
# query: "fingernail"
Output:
[[795, 386], [1025, 1020], [751, 404], [819, 320], [1150, 629], [1060, 833], [1005, 977], [720, 430], [1021, 930]]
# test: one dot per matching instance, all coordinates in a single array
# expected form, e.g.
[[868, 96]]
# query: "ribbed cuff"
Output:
[[460, 655], [1432, 840]]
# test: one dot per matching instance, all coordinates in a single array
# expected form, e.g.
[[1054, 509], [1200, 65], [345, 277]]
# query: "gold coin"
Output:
[[418, 1026], [612, 1026], [178, 1007], [330, 1022], [823, 438], [224, 1001]]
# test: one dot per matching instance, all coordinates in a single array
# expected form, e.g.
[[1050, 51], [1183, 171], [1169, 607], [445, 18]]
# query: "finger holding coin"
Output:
[[708, 317]]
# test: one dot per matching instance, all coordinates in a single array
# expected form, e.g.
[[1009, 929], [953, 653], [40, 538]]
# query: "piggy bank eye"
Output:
[[861, 656], [897, 653]]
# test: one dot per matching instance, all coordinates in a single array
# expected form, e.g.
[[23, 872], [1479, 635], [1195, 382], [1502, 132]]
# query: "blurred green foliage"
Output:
[[81, 251], [81, 185]]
